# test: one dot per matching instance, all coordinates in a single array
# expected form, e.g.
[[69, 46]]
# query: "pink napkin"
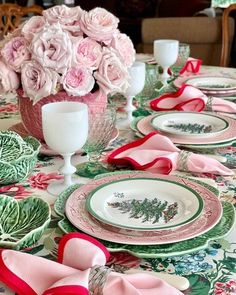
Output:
[[80, 270], [156, 153], [192, 66], [189, 98]]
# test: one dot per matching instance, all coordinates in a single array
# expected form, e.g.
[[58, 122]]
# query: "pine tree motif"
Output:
[[147, 210], [192, 128]]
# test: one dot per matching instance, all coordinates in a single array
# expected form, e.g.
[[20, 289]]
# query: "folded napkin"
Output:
[[156, 153], [192, 66], [80, 270], [189, 98]]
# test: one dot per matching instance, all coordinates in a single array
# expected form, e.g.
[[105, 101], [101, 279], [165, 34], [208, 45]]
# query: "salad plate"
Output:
[[144, 126], [209, 88], [218, 231], [189, 124], [210, 83], [77, 214], [144, 204]]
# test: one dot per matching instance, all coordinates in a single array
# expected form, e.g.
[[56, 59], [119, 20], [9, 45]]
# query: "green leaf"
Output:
[[199, 285], [22, 222]]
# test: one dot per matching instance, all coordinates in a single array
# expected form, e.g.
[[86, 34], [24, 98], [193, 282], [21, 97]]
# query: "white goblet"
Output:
[[166, 54], [65, 130], [136, 83]]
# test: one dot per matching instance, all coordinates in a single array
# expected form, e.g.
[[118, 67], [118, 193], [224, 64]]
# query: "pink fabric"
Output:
[[30, 275], [192, 65], [189, 98], [156, 153]]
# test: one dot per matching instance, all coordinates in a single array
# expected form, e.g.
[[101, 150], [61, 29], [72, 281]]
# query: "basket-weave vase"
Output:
[[31, 115]]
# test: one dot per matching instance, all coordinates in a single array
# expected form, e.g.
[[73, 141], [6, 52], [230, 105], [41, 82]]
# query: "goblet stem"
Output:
[[129, 106], [67, 169], [165, 76]]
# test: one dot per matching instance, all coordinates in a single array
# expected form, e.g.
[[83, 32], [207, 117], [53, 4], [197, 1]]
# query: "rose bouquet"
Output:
[[66, 49]]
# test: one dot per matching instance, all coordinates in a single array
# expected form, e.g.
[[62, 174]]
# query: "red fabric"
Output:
[[13, 281], [192, 65], [70, 290], [196, 104]]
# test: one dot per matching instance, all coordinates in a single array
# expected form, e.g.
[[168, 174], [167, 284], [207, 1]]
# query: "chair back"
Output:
[[11, 16], [226, 37], [202, 33]]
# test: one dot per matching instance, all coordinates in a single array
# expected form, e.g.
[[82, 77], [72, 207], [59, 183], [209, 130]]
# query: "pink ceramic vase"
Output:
[[31, 116]]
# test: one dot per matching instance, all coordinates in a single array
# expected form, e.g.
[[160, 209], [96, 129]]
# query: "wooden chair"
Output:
[[11, 16], [202, 33], [225, 53]]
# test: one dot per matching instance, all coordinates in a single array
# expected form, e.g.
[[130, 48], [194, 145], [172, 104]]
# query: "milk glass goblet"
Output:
[[166, 54], [65, 130], [136, 83]]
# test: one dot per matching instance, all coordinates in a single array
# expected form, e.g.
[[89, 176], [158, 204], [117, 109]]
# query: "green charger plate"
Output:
[[154, 251]]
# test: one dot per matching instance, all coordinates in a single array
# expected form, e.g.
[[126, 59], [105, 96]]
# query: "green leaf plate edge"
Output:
[[156, 251]]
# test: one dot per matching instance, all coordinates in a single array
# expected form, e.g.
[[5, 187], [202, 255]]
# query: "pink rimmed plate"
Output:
[[144, 127], [199, 80], [79, 217], [45, 150]]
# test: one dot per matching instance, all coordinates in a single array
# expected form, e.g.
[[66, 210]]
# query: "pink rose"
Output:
[[38, 81], [32, 26], [9, 79], [88, 53], [124, 47], [99, 24], [78, 81], [66, 16], [62, 14], [112, 76], [52, 48], [15, 52]]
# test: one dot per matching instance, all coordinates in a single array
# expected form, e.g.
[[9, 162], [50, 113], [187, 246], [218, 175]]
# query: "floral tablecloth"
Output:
[[210, 271], [221, 3]]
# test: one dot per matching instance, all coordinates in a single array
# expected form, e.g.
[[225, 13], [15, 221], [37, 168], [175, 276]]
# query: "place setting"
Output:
[[142, 231], [198, 130]]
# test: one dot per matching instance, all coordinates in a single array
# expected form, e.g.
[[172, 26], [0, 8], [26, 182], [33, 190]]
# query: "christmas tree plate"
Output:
[[212, 83], [78, 215], [189, 124], [144, 204], [144, 126]]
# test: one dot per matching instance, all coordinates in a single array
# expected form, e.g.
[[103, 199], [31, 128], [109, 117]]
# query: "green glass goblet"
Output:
[[101, 128]]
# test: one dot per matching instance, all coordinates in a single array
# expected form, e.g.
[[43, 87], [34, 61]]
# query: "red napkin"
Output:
[[189, 98], [157, 154], [80, 270], [192, 66]]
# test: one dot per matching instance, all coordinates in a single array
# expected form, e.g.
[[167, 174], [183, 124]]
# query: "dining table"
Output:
[[210, 269], [221, 3]]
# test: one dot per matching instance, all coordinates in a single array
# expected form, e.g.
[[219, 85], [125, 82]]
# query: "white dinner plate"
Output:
[[189, 124], [212, 83], [144, 204]]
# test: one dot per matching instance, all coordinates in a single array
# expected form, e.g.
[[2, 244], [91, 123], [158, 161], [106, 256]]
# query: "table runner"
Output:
[[210, 271]]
